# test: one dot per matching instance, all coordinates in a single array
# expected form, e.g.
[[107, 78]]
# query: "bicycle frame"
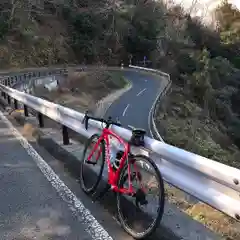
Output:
[[113, 176]]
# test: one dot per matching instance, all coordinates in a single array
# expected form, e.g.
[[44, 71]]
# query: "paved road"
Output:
[[133, 107], [35, 203], [41, 200]]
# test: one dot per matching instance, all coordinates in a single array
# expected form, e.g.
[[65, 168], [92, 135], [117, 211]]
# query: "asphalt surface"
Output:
[[32, 206], [41, 199], [133, 107]]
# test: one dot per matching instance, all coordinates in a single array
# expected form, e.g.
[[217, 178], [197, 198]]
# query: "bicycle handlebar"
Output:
[[108, 122]]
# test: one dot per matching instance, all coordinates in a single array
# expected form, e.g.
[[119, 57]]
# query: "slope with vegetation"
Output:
[[201, 114]]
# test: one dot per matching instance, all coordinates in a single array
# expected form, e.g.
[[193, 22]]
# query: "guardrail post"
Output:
[[25, 110], [15, 104], [8, 99], [40, 120], [65, 135], [4, 95]]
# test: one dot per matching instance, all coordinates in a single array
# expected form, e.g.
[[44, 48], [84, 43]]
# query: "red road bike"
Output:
[[121, 175]]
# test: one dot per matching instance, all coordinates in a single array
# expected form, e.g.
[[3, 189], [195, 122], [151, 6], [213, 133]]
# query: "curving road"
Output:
[[133, 107]]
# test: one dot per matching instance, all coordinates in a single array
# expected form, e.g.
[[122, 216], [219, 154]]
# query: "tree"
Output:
[[228, 22], [145, 23]]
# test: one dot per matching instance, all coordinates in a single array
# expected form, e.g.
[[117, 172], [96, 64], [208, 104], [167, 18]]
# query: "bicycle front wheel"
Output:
[[92, 169], [141, 217]]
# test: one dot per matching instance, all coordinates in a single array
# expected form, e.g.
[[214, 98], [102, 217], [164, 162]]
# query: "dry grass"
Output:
[[215, 220], [208, 216], [30, 132], [82, 90], [176, 197]]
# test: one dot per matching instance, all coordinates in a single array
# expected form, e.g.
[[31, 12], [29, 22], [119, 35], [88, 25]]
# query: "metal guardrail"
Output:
[[22, 76], [213, 183]]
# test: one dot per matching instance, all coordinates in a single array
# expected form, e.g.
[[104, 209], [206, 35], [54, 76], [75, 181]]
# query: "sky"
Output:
[[203, 8]]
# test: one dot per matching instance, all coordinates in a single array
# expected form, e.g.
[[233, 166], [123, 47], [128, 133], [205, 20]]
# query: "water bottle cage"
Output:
[[137, 138]]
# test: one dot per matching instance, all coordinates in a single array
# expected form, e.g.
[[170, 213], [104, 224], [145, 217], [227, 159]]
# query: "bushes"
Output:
[[3, 28]]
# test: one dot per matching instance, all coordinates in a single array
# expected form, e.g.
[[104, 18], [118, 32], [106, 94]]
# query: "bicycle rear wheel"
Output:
[[91, 172], [130, 214]]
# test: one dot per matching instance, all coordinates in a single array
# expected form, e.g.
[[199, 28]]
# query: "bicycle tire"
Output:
[[161, 202], [92, 189]]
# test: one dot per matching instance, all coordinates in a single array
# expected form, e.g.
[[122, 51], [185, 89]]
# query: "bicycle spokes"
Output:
[[145, 206]]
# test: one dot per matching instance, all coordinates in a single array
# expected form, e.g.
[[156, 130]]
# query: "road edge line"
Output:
[[93, 227]]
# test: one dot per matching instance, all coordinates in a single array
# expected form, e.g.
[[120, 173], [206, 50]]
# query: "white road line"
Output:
[[141, 92], [125, 110], [93, 227]]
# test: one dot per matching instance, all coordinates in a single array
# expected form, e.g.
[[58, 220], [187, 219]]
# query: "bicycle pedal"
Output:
[[102, 193], [143, 202], [91, 163]]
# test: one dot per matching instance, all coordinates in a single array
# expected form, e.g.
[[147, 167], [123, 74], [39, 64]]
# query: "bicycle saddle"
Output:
[[139, 131]]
